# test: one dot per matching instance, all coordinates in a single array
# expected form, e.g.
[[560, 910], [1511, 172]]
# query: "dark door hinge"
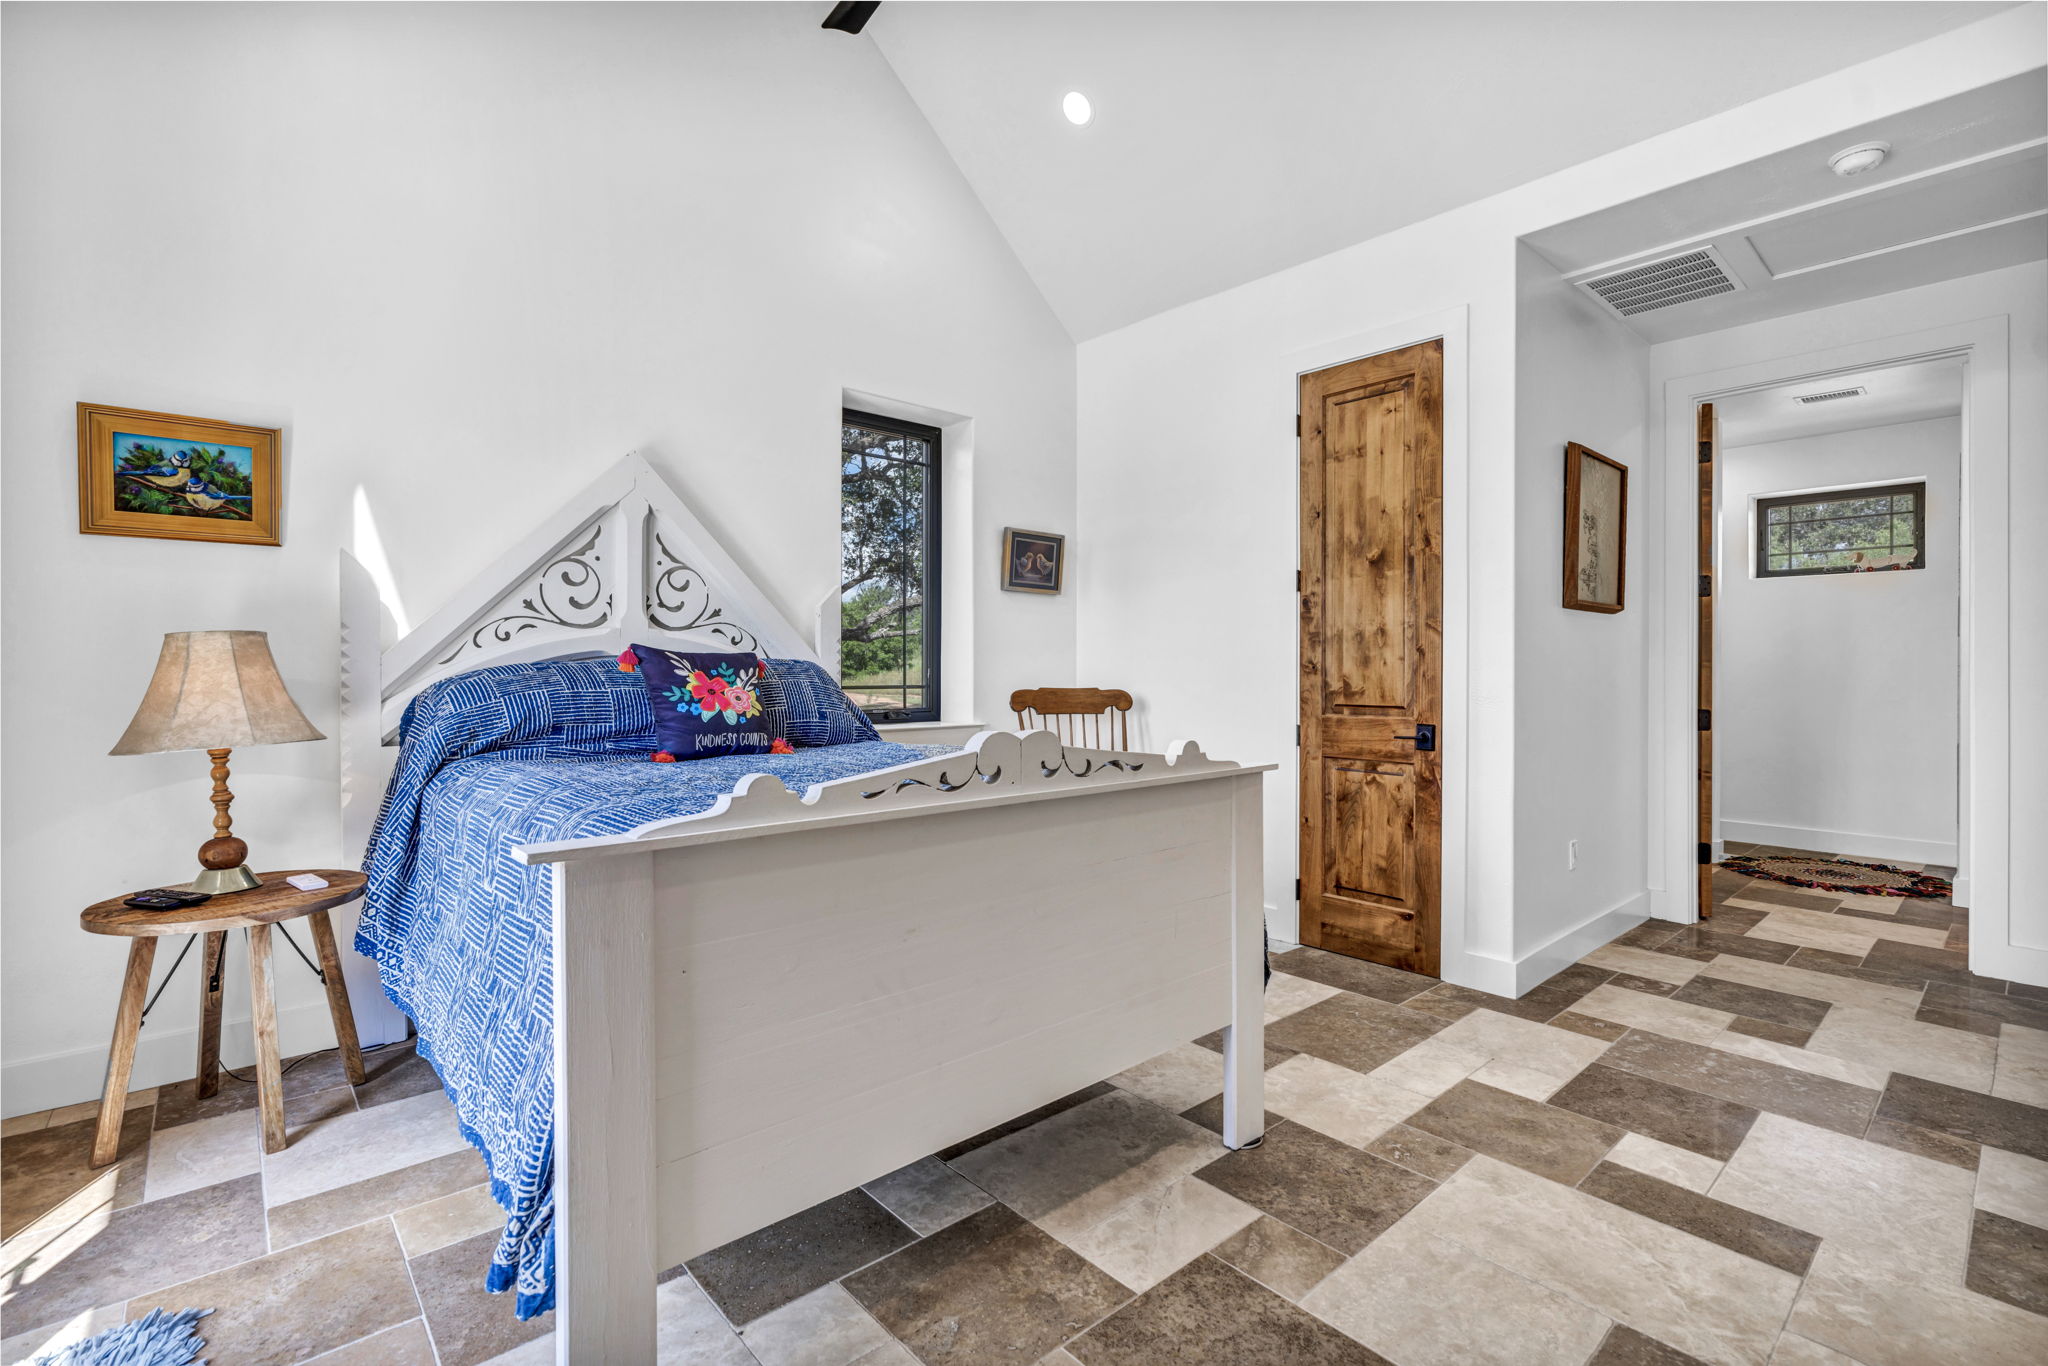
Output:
[[1706, 719], [1297, 889], [1297, 737], [1706, 585], [1706, 452], [1706, 854], [1297, 580], [1297, 425]]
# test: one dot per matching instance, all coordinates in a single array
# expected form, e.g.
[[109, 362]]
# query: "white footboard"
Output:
[[780, 999]]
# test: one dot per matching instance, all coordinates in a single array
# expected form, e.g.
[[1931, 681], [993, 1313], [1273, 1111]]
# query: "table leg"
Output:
[[263, 1014], [106, 1143], [337, 997], [207, 1081]]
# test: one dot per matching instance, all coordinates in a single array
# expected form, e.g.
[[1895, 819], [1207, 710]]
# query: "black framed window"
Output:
[[1841, 531], [889, 566]]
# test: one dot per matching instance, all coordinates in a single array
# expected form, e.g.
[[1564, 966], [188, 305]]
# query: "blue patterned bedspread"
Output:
[[518, 754]]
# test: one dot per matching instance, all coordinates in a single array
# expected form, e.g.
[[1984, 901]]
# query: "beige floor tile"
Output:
[[1348, 1106], [291, 1305], [1658, 967], [80, 1326], [1287, 993], [894, 1353], [540, 1351], [1888, 1316], [2022, 1065], [1781, 927], [447, 1220], [1800, 1059], [825, 1328], [203, 1153], [1067, 1172], [2014, 1185], [1559, 1053], [405, 1345], [1430, 1068], [1883, 905], [1421, 1301], [1143, 1241], [1858, 1195], [689, 1330], [361, 1144], [1658, 1014], [1720, 1306], [1178, 1079], [1924, 935], [1522, 1081], [928, 1195], [1666, 1161], [1880, 1039], [1793, 1350], [1816, 986]]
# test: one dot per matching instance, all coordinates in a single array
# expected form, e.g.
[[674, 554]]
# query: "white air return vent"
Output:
[[1830, 395], [1680, 279]]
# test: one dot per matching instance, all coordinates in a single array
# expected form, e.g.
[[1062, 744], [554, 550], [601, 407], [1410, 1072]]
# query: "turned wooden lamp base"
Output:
[[223, 860]]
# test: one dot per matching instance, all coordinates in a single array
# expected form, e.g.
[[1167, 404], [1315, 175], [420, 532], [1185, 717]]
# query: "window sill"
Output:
[[931, 732]]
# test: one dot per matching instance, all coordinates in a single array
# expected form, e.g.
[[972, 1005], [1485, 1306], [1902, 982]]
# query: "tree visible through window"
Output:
[[889, 583], [1840, 531]]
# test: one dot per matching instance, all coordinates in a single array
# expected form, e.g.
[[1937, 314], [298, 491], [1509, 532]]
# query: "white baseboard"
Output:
[[1959, 890], [162, 1056], [1849, 844], [1514, 977]]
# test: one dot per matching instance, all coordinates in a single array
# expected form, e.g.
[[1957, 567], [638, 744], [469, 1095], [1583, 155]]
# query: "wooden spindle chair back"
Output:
[[1088, 718]]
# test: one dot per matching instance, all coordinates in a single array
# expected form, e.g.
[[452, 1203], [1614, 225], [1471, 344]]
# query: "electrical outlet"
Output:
[[1571, 854]]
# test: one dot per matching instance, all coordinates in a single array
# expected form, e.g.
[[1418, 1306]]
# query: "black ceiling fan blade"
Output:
[[851, 16]]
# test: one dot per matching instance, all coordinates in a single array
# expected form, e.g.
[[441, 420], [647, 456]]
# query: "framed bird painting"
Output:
[[181, 478]]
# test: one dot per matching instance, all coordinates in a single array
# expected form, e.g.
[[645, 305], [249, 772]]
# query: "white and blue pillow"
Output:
[[805, 706]]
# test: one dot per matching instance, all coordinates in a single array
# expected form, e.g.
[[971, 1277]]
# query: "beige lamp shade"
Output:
[[215, 690]]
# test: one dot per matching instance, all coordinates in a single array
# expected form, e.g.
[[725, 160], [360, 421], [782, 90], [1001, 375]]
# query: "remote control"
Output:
[[163, 899]]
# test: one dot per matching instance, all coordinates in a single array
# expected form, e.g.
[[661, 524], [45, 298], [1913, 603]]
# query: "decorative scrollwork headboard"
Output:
[[624, 561]]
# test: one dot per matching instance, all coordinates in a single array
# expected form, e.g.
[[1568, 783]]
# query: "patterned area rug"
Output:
[[157, 1339], [1843, 875]]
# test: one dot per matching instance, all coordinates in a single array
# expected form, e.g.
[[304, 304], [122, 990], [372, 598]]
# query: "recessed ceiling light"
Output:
[[1864, 156], [1076, 107]]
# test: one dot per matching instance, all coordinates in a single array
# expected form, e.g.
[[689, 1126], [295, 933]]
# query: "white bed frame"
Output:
[[744, 1029]]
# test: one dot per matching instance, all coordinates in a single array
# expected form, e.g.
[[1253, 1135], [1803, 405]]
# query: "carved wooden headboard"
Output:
[[623, 561]]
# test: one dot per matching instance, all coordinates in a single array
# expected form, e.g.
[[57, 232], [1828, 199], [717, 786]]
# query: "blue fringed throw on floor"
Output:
[[156, 1339]]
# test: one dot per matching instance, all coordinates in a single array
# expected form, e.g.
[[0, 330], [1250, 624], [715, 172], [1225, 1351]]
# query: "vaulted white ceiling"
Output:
[[1231, 140]]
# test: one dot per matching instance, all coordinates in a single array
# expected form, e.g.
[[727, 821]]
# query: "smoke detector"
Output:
[[1864, 156]]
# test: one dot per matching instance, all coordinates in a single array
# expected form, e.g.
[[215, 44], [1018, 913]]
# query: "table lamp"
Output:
[[215, 690]]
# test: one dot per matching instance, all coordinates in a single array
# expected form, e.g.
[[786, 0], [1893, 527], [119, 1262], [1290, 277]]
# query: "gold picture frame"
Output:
[[1595, 530], [1033, 561], [173, 477]]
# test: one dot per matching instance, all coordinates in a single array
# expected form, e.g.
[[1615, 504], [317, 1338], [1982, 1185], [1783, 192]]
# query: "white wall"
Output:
[[2009, 938], [466, 256], [1188, 457], [1835, 695], [1579, 707]]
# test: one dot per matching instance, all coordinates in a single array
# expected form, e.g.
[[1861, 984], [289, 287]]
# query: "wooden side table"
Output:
[[255, 910]]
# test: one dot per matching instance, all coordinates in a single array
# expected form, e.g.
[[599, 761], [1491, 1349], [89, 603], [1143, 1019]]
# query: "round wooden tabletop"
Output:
[[272, 901]]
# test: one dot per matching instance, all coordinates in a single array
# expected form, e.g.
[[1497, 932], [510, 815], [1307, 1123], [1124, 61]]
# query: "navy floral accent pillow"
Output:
[[806, 706], [705, 705]]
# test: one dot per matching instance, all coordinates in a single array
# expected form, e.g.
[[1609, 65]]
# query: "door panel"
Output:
[[1371, 654]]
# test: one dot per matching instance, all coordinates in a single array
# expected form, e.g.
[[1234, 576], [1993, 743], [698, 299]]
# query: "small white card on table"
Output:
[[307, 882]]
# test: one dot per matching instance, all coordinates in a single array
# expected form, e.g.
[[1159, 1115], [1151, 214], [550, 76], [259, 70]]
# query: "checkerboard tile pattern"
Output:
[[1800, 1132]]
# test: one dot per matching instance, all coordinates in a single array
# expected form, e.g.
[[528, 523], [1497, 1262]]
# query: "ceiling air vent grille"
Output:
[[1831, 395], [1674, 280]]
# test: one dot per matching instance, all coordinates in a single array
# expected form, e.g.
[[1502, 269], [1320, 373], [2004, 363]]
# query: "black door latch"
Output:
[[1424, 736]]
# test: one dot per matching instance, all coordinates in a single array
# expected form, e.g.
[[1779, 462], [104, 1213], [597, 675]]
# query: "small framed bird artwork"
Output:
[[181, 478], [1033, 561]]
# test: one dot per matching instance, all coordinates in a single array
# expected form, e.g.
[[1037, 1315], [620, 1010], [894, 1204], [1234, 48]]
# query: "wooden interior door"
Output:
[[1371, 589], [1705, 853]]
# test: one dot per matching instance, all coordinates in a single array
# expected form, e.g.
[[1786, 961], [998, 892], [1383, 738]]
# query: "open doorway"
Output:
[[1832, 711]]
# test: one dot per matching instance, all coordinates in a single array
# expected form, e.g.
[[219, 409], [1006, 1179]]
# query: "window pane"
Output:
[[887, 481]]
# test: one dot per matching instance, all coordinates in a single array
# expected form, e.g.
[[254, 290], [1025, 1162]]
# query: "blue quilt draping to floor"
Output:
[[507, 755]]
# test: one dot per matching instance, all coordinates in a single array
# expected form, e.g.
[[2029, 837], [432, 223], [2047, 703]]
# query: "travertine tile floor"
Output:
[[1801, 1133]]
